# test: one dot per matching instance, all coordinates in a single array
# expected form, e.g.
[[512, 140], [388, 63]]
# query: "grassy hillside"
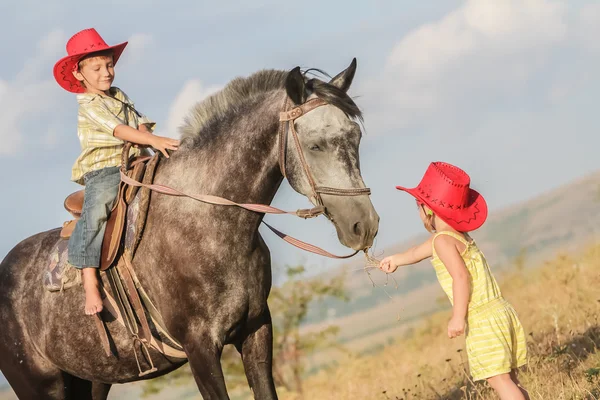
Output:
[[559, 306]]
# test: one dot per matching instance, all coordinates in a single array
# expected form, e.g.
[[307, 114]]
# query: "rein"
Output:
[[286, 119]]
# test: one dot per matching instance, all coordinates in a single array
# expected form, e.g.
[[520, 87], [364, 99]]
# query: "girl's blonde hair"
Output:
[[429, 222]]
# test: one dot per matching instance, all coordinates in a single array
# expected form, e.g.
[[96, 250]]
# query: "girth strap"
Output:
[[103, 334]]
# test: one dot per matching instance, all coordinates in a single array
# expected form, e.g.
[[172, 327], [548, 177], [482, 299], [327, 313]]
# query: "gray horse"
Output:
[[206, 267]]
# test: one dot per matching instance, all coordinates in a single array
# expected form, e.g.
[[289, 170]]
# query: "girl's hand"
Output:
[[388, 265], [456, 327]]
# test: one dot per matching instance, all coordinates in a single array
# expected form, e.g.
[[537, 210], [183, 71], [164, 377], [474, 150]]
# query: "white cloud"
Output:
[[480, 25], [30, 95], [192, 92], [588, 26], [484, 50], [139, 44]]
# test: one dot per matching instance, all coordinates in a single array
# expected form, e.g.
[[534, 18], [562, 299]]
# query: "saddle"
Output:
[[125, 300], [116, 222]]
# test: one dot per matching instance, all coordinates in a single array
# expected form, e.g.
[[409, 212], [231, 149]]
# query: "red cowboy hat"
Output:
[[445, 189], [82, 43]]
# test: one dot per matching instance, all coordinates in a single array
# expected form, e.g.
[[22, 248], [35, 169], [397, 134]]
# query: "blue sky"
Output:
[[506, 90]]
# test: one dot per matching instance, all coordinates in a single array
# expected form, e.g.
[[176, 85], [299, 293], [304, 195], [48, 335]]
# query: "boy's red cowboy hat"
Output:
[[445, 190], [82, 43]]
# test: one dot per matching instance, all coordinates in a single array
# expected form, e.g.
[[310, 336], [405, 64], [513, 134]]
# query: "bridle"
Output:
[[286, 119]]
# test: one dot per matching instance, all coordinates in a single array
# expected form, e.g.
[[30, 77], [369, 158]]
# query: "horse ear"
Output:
[[295, 86], [343, 80]]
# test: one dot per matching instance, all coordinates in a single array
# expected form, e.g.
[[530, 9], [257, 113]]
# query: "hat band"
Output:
[[441, 203]]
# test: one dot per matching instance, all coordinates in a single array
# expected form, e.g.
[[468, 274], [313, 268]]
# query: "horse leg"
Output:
[[86, 390], [204, 356], [256, 349], [100, 390], [45, 382], [36, 382]]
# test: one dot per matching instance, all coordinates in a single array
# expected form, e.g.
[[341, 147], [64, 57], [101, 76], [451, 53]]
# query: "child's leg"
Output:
[[91, 285], [515, 379], [85, 244], [505, 387]]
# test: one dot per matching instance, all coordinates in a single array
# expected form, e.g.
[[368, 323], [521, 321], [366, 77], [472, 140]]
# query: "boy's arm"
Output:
[[129, 134], [100, 115]]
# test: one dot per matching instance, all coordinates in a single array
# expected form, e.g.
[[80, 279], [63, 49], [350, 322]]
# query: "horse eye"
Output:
[[315, 147]]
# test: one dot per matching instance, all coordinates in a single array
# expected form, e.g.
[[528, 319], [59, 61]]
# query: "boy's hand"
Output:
[[456, 327], [387, 265], [163, 144]]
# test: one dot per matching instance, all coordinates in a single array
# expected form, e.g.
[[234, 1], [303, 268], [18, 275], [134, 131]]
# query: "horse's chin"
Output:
[[352, 240]]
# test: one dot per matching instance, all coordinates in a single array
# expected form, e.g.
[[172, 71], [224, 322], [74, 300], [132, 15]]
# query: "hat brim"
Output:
[[466, 219], [63, 69]]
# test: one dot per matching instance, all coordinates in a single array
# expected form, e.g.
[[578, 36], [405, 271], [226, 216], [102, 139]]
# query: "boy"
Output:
[[106, 119]]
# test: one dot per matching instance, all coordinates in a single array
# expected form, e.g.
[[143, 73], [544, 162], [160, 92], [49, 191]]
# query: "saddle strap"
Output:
[[155, 315], [144, 201], [134, 298], [103, 334], [157, 343], [121, 300]]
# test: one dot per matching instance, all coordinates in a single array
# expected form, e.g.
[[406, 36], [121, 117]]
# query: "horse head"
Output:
[[321, 159]]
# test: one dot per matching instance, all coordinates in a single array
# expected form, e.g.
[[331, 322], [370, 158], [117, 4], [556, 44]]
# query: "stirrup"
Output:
[[143, 347]]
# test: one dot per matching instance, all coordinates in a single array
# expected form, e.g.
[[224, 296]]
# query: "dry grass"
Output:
[[559, 306]]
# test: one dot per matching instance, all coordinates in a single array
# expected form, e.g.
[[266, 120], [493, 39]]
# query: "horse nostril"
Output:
[[358, 229]]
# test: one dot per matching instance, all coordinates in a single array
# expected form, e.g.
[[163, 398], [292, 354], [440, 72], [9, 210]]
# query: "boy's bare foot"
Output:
[[93, 299]]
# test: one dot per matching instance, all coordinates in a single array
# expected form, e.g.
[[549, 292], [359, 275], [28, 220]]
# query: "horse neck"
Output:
[[239, 163]]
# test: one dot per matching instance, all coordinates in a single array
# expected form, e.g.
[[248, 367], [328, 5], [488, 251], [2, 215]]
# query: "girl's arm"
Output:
[[411, 256], [445, 247]]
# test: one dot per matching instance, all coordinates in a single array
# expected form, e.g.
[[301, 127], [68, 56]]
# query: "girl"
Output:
[[495, 339]]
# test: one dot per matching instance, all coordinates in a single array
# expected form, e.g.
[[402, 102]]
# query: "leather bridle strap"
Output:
[[287, 119]]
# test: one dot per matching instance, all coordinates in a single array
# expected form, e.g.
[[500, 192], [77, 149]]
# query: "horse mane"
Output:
[[241, 90]]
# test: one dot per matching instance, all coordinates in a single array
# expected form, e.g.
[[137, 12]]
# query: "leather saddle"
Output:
[[116, 221]]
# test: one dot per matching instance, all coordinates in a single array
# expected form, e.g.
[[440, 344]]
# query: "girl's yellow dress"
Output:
[[495, 338]]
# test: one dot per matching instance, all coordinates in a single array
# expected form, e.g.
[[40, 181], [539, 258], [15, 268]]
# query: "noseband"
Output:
[[286, 119]]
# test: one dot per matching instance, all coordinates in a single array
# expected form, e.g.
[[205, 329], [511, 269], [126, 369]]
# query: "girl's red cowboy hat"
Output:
[[82, 43], [445, 189]]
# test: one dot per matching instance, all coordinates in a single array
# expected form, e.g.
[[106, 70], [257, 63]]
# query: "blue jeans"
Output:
[[85, 243]]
